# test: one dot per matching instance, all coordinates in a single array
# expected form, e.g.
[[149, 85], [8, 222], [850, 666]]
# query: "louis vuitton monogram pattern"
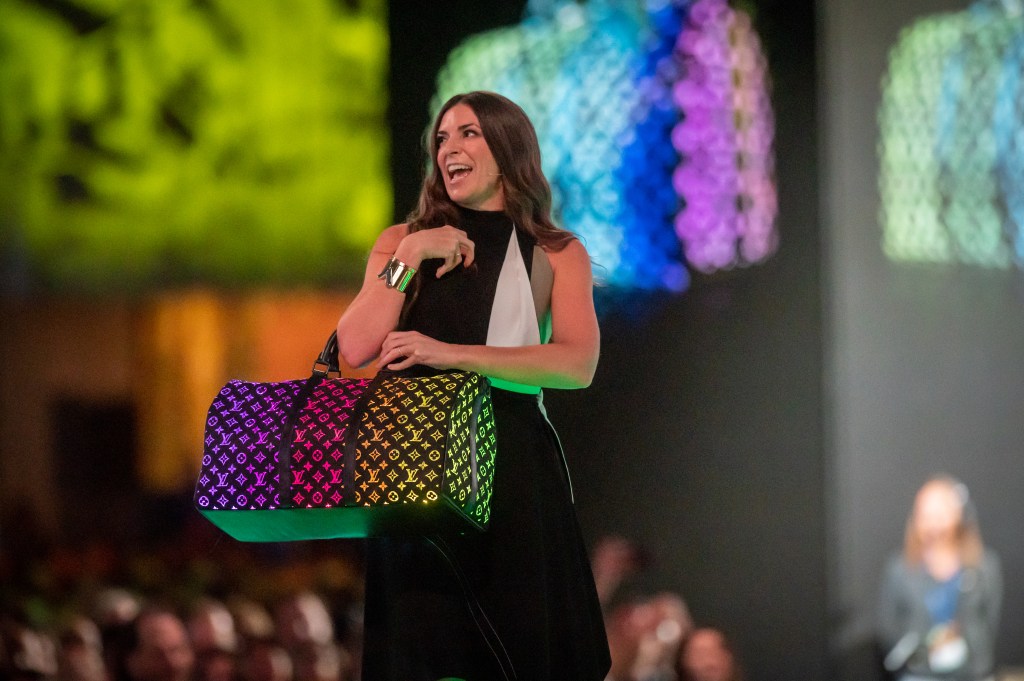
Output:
[[414, 443], [486, 446], [244, 427], [411, 441], [243, 433], [318, 446]]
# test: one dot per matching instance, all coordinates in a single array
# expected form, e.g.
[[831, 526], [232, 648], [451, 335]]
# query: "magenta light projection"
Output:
[[725, 175]]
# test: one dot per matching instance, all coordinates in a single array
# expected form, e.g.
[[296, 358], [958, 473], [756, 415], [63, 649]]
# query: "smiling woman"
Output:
[[499, 290], [470, 171]]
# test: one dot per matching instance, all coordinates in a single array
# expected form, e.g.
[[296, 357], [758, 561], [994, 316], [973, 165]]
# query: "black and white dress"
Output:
[[527, 595]]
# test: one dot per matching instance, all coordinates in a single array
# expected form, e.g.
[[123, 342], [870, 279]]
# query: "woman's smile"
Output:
[[471, 175]]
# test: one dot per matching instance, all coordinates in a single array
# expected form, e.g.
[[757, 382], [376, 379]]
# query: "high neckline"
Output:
[[474, 212], [471, 217]]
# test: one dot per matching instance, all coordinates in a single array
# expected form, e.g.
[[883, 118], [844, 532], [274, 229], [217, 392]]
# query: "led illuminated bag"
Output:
[[329, 457]]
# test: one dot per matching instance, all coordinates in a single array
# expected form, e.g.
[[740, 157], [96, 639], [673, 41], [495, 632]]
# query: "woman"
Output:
[[940, 601], [480, 279]]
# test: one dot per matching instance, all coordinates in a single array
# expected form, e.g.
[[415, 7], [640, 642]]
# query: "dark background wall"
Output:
[[925, 369], [702, 434]]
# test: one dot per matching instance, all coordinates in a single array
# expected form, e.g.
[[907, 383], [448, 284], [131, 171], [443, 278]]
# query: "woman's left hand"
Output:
[[403, 349]]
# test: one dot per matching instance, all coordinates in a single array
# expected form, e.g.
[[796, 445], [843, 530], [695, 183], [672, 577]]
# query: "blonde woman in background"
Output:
[[941, 596]]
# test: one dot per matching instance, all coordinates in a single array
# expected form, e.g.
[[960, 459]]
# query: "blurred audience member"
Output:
[[664, 624], [614, 560], [252, 620], [322, 662], [266, 660], [211, 629], [707, 656], [303, 619], [25, 654], [941, 596], [644, 638], [155, 647], [115, 607], [80, 653]]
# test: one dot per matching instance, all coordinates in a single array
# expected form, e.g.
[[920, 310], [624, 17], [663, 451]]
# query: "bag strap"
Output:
[[325, 364], [327, 361]]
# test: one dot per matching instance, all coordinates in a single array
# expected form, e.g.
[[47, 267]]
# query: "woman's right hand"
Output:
[[447, 242]]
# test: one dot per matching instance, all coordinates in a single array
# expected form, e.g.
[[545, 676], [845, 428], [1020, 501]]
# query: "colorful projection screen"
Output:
[[152, 142], [952, 139], [655, 125]]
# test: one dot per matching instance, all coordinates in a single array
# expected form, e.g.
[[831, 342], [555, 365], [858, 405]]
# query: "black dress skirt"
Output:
[[518, 600]]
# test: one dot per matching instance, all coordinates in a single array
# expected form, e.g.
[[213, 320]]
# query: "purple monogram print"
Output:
[[318, 446], [243, 436]]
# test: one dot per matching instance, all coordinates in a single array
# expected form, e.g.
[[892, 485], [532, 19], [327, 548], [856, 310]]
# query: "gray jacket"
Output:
[[903, 616]]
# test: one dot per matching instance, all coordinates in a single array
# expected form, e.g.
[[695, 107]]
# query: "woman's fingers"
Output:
[[402, 364], [451, 261], [448, 243], [397, 346], [468, 250]]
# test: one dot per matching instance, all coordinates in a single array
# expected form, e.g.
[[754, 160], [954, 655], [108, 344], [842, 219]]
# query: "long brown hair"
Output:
[[513, 143]]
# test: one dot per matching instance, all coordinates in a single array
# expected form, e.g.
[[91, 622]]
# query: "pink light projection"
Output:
[[726, 172]]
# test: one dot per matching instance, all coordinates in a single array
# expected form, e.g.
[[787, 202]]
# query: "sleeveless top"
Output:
[[529, 573], [503, 299]]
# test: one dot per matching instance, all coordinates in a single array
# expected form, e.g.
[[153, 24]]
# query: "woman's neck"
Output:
[[942, 560]]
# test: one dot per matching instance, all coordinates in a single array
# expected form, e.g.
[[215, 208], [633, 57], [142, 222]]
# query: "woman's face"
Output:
[[470, 173], [938, 512]]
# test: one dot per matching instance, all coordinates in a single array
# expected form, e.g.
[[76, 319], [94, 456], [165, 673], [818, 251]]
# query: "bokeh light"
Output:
[[952, 136], [655, 126], [159, 142]]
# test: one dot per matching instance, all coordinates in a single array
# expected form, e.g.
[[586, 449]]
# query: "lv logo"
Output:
[[222, 479], [411, 474], [300, 435], [374, 472], [416, 435], [338, 433], [335, 476], [297, 477], [386, 401], [377, 434], [261, 478]]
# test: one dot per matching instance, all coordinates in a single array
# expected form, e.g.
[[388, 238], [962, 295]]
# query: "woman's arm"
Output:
[[375, 310], [567, 361]]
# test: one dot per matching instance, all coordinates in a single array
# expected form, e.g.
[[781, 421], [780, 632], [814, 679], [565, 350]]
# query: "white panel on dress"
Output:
[[513, 315]]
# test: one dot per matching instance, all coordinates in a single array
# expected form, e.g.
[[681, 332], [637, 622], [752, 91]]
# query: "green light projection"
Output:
[[157, 142], [951, 142]]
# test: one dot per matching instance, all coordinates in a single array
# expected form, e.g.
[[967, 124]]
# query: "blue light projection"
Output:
[[655, 129]]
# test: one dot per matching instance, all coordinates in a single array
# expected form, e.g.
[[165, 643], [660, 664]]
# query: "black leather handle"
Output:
[[327, 362]]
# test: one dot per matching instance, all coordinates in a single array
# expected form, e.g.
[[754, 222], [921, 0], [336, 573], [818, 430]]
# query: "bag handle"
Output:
[[327, 362]]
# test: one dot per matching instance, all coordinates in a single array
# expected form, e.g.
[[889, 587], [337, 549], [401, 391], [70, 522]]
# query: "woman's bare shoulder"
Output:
[[572, 254]]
